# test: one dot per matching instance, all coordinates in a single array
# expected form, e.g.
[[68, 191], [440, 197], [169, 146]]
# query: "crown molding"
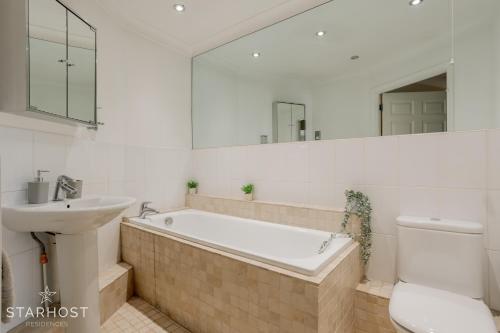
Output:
[[263, 19]]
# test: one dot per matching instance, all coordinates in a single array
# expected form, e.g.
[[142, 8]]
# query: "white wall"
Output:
[[142, 151], [496, 67], [476, 77], [231, 108], [447, 175], [347, 107]]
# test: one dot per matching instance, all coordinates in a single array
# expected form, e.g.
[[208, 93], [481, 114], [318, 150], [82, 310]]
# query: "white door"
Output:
[[298, 114], [283, 121], [415, 112]]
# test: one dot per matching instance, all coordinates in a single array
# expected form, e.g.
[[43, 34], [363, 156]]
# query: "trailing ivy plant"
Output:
[[358, 204]]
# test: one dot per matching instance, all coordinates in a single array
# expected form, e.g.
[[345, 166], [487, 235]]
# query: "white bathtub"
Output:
[[292, 248]]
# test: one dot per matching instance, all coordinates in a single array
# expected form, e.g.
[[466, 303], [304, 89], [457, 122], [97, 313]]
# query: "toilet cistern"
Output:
[[440, 262]]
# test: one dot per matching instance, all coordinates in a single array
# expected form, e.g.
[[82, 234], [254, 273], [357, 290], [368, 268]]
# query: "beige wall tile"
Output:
[[212, 292], [116, 287], [372, 308], [300, 216]]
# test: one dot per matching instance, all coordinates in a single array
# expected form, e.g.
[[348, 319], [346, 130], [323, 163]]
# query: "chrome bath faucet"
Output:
[[145, 210]]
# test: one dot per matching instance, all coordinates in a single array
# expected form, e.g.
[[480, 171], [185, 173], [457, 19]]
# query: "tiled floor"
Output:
[[135, 316], [138, 316]]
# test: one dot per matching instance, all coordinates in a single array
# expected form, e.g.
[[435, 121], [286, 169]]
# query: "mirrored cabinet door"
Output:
[[62, 58], [288, 122], [47, 61], [81, 70]]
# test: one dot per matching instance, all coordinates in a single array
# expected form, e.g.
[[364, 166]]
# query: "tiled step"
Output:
[[372, 307], [115, 288]]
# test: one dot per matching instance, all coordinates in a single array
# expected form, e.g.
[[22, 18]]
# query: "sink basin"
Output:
[[75, 223], [65, 217]]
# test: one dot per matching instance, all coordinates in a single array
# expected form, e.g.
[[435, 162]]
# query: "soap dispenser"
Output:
[[38, 190]]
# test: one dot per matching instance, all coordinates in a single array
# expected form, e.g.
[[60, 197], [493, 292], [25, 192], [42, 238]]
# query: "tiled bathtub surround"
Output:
[[207, 290], [372, 307], [306, 217], [447, 175]]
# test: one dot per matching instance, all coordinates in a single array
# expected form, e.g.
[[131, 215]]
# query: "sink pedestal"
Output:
[[79, 279], [75, 223]]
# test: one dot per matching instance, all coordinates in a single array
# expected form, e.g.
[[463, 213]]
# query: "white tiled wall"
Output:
[[447, 175], [146, 173], [143, 149]]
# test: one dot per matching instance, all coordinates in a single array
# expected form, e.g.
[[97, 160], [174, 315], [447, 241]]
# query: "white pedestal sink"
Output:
[[75, 222]]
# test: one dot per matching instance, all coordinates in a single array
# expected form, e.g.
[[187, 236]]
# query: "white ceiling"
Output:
[[379, 31], [205, 23]]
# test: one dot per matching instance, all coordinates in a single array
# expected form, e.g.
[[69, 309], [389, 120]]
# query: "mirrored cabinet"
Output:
[[289, 122], [51, 62]]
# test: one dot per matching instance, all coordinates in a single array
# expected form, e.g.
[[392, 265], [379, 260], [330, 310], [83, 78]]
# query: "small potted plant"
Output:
[[192, 186], [248, 191]]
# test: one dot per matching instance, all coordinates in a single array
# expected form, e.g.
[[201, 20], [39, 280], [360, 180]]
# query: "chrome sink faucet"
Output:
[[63, 185], [145, 210]]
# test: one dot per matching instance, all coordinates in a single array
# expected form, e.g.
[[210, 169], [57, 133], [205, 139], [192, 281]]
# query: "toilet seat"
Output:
[[422, 309]]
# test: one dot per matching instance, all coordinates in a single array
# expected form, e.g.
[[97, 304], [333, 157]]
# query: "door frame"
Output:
[[411, 78]]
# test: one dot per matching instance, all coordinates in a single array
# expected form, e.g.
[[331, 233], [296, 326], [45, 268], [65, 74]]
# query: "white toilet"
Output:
[[441, 278]]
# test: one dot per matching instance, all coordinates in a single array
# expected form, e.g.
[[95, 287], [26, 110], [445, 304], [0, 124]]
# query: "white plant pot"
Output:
[[249, 196], [193, 191]]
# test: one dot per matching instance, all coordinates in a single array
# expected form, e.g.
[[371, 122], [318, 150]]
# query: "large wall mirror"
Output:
[[353, 68]]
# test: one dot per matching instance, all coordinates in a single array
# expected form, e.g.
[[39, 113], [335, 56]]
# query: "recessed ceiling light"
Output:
[[179, 7], [415, 2], [256, 54], [320, 33], [355, 57]]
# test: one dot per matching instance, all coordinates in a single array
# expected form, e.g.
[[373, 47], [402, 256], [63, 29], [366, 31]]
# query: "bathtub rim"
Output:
[[316, 279]]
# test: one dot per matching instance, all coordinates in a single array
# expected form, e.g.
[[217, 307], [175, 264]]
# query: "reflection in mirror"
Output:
[[289, 122], [398, 72], [81, 70], [62, 55], [47, 42], [477, 64]]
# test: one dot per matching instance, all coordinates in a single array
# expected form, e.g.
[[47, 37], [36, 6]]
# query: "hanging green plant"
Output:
[[358, 204]]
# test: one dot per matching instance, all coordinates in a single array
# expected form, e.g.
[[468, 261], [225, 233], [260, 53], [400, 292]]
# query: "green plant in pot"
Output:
[[192, 186], [248, 191], [358, 205]]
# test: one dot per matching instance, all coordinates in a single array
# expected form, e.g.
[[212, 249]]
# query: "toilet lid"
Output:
[[422, 309]]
